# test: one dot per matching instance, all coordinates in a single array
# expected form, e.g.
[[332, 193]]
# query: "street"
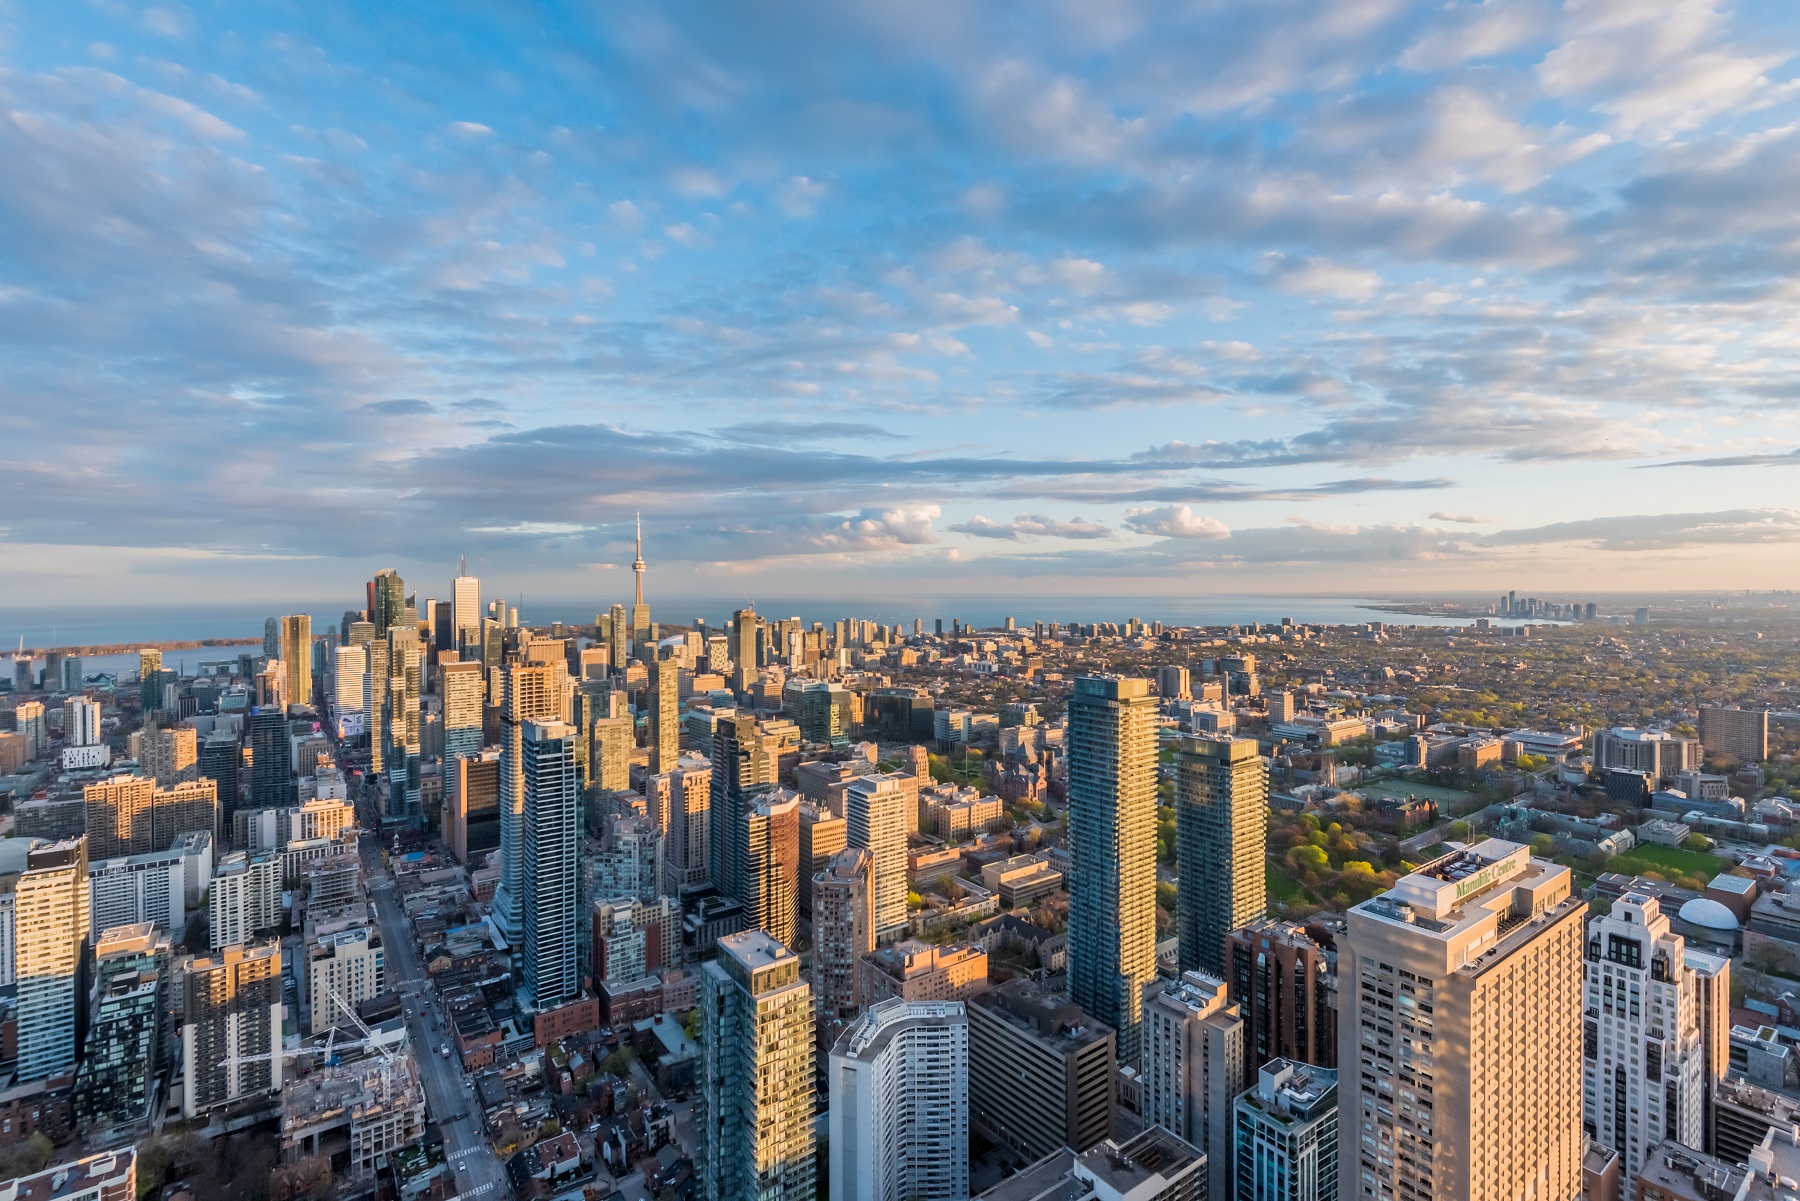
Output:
[[449, 1098]]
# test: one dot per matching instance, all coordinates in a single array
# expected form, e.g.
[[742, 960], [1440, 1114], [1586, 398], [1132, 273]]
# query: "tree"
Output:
[[1696, 842], [1543, 846], [1309, 858], [22, 1159]]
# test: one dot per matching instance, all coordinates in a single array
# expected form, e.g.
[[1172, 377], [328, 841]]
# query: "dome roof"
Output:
[[1708, 913]]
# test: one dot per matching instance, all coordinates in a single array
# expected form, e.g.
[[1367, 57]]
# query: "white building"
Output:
[[342, 970], [81, 721], [245, 898], [347, 664], [1645, 1065], [875, 820], [899, 1084], [462, 687], [139, 888]]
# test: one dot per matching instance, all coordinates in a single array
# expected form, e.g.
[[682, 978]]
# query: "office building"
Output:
[[245, 898], [1174, 683], [745, 626], [875, 820], [387, 602], [529, 693], [1286, 1139], [1735, 733], [271, 759], [552, 848], [342, 969], [347, 665], [375, 702], [474, 806], [171, 756], [898, 1083], [124, 1052], [822, 835], [1112, 843], [465, 611], [741, 765], [1657, 753], [1285, 984], [28, 718], [296, 651], [822, 710], [665, 715], [50, 944], [149, 888], [921, 971], [462, 687], [1040, 1070], [1459, 1032], [1221, 836], [756, 1073], [1193, 1067], [231, 1027], [843, 926], [119, 812], [767, 846], [1152, 1165], [1644, 1069]]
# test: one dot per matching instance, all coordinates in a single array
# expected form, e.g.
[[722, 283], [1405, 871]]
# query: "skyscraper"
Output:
[[473, 805], [618, 639], [665, 715], [1460, 1002], [231, 1028], [875, 820], [757, 1073], [1221, 835], [1286, 985], [767, 845], [387, 601], [375, 703], [172, 755], [687, 825], [899, 1089], [461, 684], [744, 628], [640, 612], [271, 760], [552, 847], [1193, 1067], [843, 926], [528, 694], [1641, 990], [125, 1042], [465, 609], [1041, 1072], [50, 912], [296, 652], [119, 811], [1112, 848], [1740, 734], [740, 765], [347, 664]]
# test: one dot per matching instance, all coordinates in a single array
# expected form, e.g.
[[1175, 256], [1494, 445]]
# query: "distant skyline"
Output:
[[874, 298]]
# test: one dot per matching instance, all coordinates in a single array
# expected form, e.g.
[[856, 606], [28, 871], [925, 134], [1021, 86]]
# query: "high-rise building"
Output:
[[245, 897], [1741, 734], [124, 1049], [150, 888], [843, 924], [1645, 1070], [347, 665], [1657, 753], [1041, 1072], [756, 1073], [119, 812], [28, 720], [822, 835], [1221, 836], [1285, 983], [271, 760], [665, 715], [474, 806], [187, 808], [375, 703], [529, 693], [462, 687], [387, 602], [740, 766], [822, 710], [1460, 1001], [1152, 1165], [149, 662], [618, 639], [343, 969], [898, 1082], [1174, 683], [1112, 846], [551, 879], [686, 794], [745, 627], [766, 844], [221, 761], [271, 637], [875, 820], [1193, 1067], [296, 652], [231, 1026], [81, 721], [50, 913], [465, 611], [921, 971], [1286, 1139], [172, 755], [609, 753]]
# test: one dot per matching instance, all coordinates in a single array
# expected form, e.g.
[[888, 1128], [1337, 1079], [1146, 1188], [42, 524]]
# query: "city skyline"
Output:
[[1289, 297]]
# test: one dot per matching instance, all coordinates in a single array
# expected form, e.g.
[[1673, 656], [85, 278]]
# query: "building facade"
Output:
[[1221, 835], [551, 845], [1193, 1067], [899, 1104], [875, 820], [1285, 1144]]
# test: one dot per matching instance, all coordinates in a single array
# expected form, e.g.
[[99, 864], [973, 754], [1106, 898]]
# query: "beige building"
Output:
[[1459, 1033], [231, 1026], [918, 971], [1741, 734], [843, 932], [1193, 1067], [875, 819], [1221, 835], [172, 756]]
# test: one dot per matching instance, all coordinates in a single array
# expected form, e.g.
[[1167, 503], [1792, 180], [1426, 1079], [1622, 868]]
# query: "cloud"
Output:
[[1461, 518], [1027, 526], [1175, 521], [1322, 277], [410, 407], [1785, 459]]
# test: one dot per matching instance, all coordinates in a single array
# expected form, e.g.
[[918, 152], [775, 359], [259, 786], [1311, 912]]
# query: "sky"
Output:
[[895, 297]]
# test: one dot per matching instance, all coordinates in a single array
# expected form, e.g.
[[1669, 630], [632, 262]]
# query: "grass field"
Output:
[[1435, 792], [1649, 857], [1283, 887]]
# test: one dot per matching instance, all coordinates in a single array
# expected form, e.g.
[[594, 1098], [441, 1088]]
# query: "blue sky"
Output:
[[877, 298]]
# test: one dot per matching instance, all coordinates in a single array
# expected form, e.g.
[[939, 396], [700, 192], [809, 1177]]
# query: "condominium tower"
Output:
[[552, 848], [899, 1104], [528, 694], [875, 820], [1112, 848], [1193, 1066], [1221, 837], [296, 652], [1459, 1033], [757, 1073], [50, 914]]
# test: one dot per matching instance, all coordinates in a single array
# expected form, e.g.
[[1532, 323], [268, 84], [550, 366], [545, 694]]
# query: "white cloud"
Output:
[[1175, 521], [1321, 277]]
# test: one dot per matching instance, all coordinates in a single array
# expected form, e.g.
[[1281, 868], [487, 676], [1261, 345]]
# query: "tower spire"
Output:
[[637, 564]]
